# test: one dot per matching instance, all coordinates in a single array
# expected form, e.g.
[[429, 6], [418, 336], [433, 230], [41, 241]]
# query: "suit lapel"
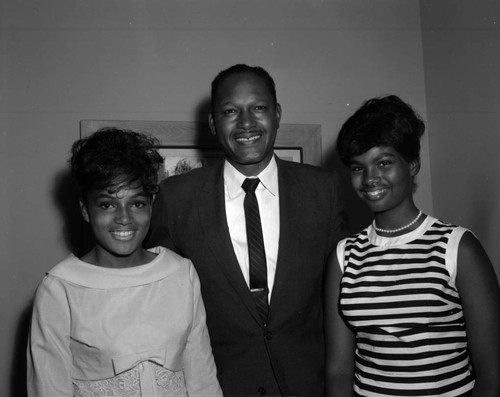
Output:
[[212, 213], [291, 205]]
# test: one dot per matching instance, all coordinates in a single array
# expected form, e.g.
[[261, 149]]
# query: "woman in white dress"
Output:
[[120, 320]]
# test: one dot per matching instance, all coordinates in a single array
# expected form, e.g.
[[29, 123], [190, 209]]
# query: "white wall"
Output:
[[461, 42], [62, 61]]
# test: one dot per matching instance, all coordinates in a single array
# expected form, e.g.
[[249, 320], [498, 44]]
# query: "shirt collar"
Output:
[[233, 179]]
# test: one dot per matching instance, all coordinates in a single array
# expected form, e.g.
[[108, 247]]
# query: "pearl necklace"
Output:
[[399, 229]]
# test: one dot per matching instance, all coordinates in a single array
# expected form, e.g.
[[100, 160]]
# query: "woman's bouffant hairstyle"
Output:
[[114, 159], [382, 121]]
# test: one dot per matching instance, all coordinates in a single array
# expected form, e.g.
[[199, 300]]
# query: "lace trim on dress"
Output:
[[128, 384]]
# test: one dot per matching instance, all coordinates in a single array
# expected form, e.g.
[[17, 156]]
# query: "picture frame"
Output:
[[186, 145]]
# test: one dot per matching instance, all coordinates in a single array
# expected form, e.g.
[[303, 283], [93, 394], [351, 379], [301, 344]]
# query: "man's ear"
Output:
[[414, 167], [211, 124], [83, 209], [278, 113]]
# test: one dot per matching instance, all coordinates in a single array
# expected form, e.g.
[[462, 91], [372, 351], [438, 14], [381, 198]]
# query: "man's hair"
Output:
[[382, 121], [114, 159], [243, 69]]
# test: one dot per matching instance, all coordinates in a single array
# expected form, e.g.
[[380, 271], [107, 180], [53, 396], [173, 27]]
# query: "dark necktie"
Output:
[[256, 251]]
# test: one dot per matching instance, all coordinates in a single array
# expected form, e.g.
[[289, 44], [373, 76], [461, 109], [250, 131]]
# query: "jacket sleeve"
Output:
[[159, 234], [49, 360], [340, 228], [199, 365]]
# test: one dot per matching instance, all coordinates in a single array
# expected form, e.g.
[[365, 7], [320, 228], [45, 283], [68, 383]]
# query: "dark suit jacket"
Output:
[[285, 356]]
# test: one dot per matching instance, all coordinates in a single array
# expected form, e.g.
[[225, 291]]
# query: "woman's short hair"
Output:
[[113, 159], [382, 121]]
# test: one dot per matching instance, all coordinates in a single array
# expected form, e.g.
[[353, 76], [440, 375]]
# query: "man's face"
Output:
[[245, 119]]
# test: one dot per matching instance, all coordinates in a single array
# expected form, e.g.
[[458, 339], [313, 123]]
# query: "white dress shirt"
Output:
[[268, 199]]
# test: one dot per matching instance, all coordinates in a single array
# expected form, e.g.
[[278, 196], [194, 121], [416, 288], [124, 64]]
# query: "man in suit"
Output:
[[201, 215]]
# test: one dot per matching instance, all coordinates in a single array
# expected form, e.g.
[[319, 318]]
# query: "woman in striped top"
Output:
[[419, 296]]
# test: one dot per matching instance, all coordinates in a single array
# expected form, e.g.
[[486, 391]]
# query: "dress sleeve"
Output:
[[199, 365], [452, 253], [340, 252], [49, 360]]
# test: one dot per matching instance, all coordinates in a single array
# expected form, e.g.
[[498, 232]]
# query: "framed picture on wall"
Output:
[[179, 160], [188, 145]]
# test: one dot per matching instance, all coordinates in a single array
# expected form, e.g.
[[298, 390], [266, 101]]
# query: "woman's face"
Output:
[[383, 179], [119, 222]]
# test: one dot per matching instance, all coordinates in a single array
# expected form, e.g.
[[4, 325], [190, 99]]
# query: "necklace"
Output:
[[399, 229]]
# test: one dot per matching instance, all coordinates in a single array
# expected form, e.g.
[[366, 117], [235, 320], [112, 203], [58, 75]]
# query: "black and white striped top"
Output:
[[398, 294]]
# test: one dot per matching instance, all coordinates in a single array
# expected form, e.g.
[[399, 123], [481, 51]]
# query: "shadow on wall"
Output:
[[76, 232], [78, 239], [359, 214], [18, 368]]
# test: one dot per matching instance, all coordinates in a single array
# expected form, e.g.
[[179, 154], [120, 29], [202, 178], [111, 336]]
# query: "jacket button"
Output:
[[261, 391], [269, 335]]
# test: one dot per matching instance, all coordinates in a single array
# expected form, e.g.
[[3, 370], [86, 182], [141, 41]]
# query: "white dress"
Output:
[[137, 331]]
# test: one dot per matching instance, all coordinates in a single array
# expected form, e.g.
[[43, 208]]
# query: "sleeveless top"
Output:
[[398, 295]]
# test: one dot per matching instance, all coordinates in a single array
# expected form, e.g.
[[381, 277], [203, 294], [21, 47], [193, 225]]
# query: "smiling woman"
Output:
[[119, 222], [118, 175], [419, 296], [383, 179], [117, 321]]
